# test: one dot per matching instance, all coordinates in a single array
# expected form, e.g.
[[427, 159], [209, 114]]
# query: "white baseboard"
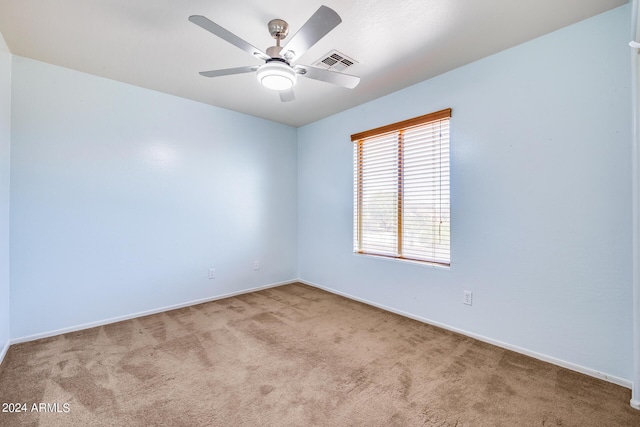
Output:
[[545, 358], [140, 314], [635, 404], [4, 350]]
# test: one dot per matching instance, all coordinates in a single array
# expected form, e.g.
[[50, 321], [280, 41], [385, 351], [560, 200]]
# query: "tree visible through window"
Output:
[[401, 190]]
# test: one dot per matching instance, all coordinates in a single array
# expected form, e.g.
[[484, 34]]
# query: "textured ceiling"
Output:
[[151, 43]]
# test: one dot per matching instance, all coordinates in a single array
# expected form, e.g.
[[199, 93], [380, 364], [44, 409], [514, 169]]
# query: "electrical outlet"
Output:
[[212, 273], [467, 298], [256, 265]]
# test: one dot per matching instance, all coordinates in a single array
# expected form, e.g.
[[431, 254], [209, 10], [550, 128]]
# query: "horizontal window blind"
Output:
[[401, 190]]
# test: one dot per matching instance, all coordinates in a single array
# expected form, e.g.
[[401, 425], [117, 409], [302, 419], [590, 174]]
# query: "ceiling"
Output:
[[151, 43]]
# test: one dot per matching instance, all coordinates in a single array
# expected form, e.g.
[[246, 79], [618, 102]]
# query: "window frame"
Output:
[[397, 129]]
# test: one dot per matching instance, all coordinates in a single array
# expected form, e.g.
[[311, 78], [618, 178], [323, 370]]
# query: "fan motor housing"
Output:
[[274, 52]]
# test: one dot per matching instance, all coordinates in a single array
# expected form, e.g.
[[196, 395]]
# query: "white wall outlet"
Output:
[[256, 265], [212, 273], [467, 298]]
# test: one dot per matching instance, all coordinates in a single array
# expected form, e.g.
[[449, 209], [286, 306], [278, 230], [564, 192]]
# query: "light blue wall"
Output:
[[541, 206], [122, 199], [5, 136]]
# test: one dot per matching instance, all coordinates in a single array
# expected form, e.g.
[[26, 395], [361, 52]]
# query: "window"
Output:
[[401, 190]]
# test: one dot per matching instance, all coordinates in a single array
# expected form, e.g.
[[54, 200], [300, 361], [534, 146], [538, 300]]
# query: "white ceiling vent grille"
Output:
[[335, 61]]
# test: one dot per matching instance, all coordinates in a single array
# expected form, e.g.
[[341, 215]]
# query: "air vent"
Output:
[[335, 61]]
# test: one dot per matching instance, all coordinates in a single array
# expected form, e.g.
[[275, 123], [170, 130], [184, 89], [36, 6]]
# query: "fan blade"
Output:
[[320, 23], [287, 95], [340, 79], [227, 36], [229, 71]]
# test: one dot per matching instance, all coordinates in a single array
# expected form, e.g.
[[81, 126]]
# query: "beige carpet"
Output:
[[293, 356]]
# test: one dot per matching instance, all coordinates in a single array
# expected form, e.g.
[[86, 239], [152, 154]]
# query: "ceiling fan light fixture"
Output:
[[276, 75]]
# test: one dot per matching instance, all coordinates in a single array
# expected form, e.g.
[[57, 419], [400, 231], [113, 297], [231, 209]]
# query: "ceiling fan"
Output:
[[280, 71]]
